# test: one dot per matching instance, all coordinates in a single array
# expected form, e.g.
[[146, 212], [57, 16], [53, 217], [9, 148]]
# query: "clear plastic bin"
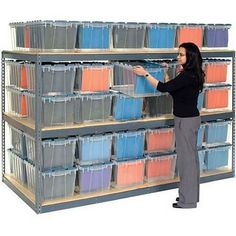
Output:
[[128, 173], [216, 97], [94, 178], [17, 101], [94, 149], [18, 141], [216, 71], [190, 33], [158, 140], [95, 35], [92, 107], [160, 35], [200, 135], [44, 34], [159, 105], [56, 153], [159, 167], [216, 35], [129, 145], [55, 184], [133, 85], [201, 157], [56, 110], [128, 35], [30, 175], [217, 132], [17, 34], [17, 166], [93, 77], [53, 34], [200, 100], [17, 74], [56, 78], [217, 157], [127, 108]]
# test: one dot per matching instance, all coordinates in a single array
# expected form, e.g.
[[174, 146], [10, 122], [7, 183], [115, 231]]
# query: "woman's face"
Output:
[[182, 56]]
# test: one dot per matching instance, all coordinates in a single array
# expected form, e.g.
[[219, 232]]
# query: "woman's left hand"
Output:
[[139, 70]]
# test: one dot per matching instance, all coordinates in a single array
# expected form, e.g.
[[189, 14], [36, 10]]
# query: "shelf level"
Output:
[[112, 194], [109, 54], [28, 127]]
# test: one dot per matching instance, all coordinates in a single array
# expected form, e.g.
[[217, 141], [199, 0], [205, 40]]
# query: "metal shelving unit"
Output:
[[35, 130]]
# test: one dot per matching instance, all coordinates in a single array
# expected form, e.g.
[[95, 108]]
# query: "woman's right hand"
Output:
[[139, 70]]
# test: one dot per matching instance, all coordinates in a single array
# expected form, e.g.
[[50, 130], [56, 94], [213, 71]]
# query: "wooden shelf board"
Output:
[[21, 187], [116, 51], [24, 189], [28, 123]]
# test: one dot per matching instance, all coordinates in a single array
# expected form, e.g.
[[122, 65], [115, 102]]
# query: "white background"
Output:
[[149, 214]]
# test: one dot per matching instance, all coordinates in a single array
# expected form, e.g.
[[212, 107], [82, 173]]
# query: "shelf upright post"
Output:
[[38, 135], [3, 110], [233, 108]]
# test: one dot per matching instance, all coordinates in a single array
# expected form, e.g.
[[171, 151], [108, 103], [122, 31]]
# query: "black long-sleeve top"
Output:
[[184, 90]]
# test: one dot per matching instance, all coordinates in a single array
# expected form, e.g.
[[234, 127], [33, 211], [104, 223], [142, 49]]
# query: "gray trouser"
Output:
[[186, 130]]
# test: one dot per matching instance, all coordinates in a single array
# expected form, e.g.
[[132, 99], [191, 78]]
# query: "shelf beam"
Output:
[[110, 54], [104, 127], [113, 194], [125, 194], [20, 191]]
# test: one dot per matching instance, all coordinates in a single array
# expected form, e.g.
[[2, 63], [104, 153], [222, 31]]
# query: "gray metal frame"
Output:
[[39, 133]]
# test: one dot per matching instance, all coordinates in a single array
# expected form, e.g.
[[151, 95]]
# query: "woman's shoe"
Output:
[[175, 205], [177, 199]]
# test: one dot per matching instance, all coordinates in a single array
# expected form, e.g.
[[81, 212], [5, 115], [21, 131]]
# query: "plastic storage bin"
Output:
[[55, 184], [127, 82], [56, 110], [92, 107], [159, 140], [94, 149], [143, 86], [17, 141], [216, 71], [56, 78], [93, 77], [200, 135], [94, 178], [17, 166], [217, 132], [159, 105], [17, 74], [201, 157], [160, 35], [17, 101], [160, 167], [94, 35], [128, 173], [128, 35], [127, 108], [217, 157], [190, 33], [129, 145], [57, 153], [17, 34], [50, 34], [59, 184], [216, 97], [30, 175], [216, 35], [200, 100]]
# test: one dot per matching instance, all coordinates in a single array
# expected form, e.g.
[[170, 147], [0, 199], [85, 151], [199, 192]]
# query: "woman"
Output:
[[184, 89]]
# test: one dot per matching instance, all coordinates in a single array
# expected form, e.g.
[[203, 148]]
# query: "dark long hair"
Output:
[[194, 62]]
